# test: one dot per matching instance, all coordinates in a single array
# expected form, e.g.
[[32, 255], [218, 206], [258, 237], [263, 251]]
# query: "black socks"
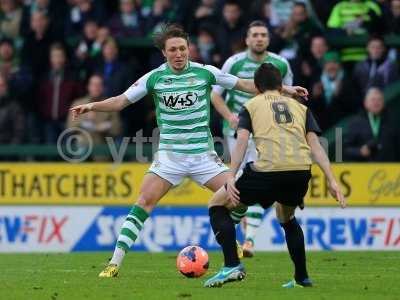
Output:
[[295, 243], [225, 234]]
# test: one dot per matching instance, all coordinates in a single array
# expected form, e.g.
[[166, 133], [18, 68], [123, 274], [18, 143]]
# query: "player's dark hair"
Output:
[[169, 31], [302, 4], [231, 2], [267, 77], [96, 74], [256, 23], [58, 46], [6, 40], [376, 38]]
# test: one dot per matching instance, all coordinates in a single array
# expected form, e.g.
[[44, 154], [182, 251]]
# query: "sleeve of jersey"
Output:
[[335, 19], [137, 90], [226, 68], [288, 79], [224, 79], [311, 123], [245, 120]]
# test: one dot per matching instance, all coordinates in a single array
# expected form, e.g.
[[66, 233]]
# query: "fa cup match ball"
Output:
[[192, 261]]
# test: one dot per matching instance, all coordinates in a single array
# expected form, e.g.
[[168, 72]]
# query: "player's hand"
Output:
[[233, 121], [296, 91], [335, 191], [79, 110], [233, 193], [301, 92]]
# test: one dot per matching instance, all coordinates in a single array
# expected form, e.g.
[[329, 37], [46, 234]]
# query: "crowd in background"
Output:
[[54, 53]]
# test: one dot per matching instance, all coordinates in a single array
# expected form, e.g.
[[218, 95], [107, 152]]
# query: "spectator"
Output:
[[89, 47], [296, 34], [35, 52], [117, 78], [354, 17], [204, 13], [18, 77], [9, 63], [309, 67], [377, 70], [162, 13], [10, 18], [331, 95], [323, 9], [103, 35], [115, 73], [231, 30], [208, 47], [372, 135], [146, 6], [184, 14], [261, 10], [82, 11], [98, 125], [194, 54], [282, 10], [35, 57], [128, 22], [54, 10], [12, 125], [392, 18], [56, 93]]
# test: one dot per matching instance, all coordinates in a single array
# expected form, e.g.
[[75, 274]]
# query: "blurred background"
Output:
[[58, 53]]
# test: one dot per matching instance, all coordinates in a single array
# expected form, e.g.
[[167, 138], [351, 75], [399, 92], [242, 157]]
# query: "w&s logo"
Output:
[[179, 101]]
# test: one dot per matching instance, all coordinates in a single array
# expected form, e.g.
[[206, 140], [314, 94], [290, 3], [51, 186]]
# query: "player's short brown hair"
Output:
[[256, 23], [57, 46], [167, 32], [267, 77]]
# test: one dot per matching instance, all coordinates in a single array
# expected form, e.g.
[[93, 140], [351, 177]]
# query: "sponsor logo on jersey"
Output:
[[167, 81], [179, 101], [192, 81]]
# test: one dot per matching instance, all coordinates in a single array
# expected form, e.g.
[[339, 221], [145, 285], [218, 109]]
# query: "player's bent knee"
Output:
[[284, 213], [147, 201], [219, 198]]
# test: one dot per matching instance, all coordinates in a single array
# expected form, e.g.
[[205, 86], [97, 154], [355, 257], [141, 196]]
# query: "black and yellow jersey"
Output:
[[279, 125]]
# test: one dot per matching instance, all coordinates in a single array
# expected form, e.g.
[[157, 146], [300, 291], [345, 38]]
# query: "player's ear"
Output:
[[164, 53], [247, 41]]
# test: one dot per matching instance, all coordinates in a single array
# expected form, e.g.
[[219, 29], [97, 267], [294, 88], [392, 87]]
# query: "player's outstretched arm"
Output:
[[247, 85], [111, 104], [322, 160], [221, 107]]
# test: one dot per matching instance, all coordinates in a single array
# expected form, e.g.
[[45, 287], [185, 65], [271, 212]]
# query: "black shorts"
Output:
[[264, 188]]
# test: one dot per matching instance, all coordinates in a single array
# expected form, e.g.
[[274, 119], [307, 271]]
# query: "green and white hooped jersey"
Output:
[[182, 103], [243, 66]]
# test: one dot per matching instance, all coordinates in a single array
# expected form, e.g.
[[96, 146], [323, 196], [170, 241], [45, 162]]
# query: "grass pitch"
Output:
[[336, 275]]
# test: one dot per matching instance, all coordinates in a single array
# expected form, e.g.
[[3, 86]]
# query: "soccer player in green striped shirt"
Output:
[[181, 91], [243, 65]]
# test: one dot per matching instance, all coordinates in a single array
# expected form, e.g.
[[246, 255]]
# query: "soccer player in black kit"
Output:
[[285, 134]]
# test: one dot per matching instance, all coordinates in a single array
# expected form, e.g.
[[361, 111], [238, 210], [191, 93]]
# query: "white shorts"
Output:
[[251, 152], [173, 167]]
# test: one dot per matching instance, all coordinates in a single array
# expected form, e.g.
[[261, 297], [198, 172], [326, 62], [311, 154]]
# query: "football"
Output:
[[192, 261]]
